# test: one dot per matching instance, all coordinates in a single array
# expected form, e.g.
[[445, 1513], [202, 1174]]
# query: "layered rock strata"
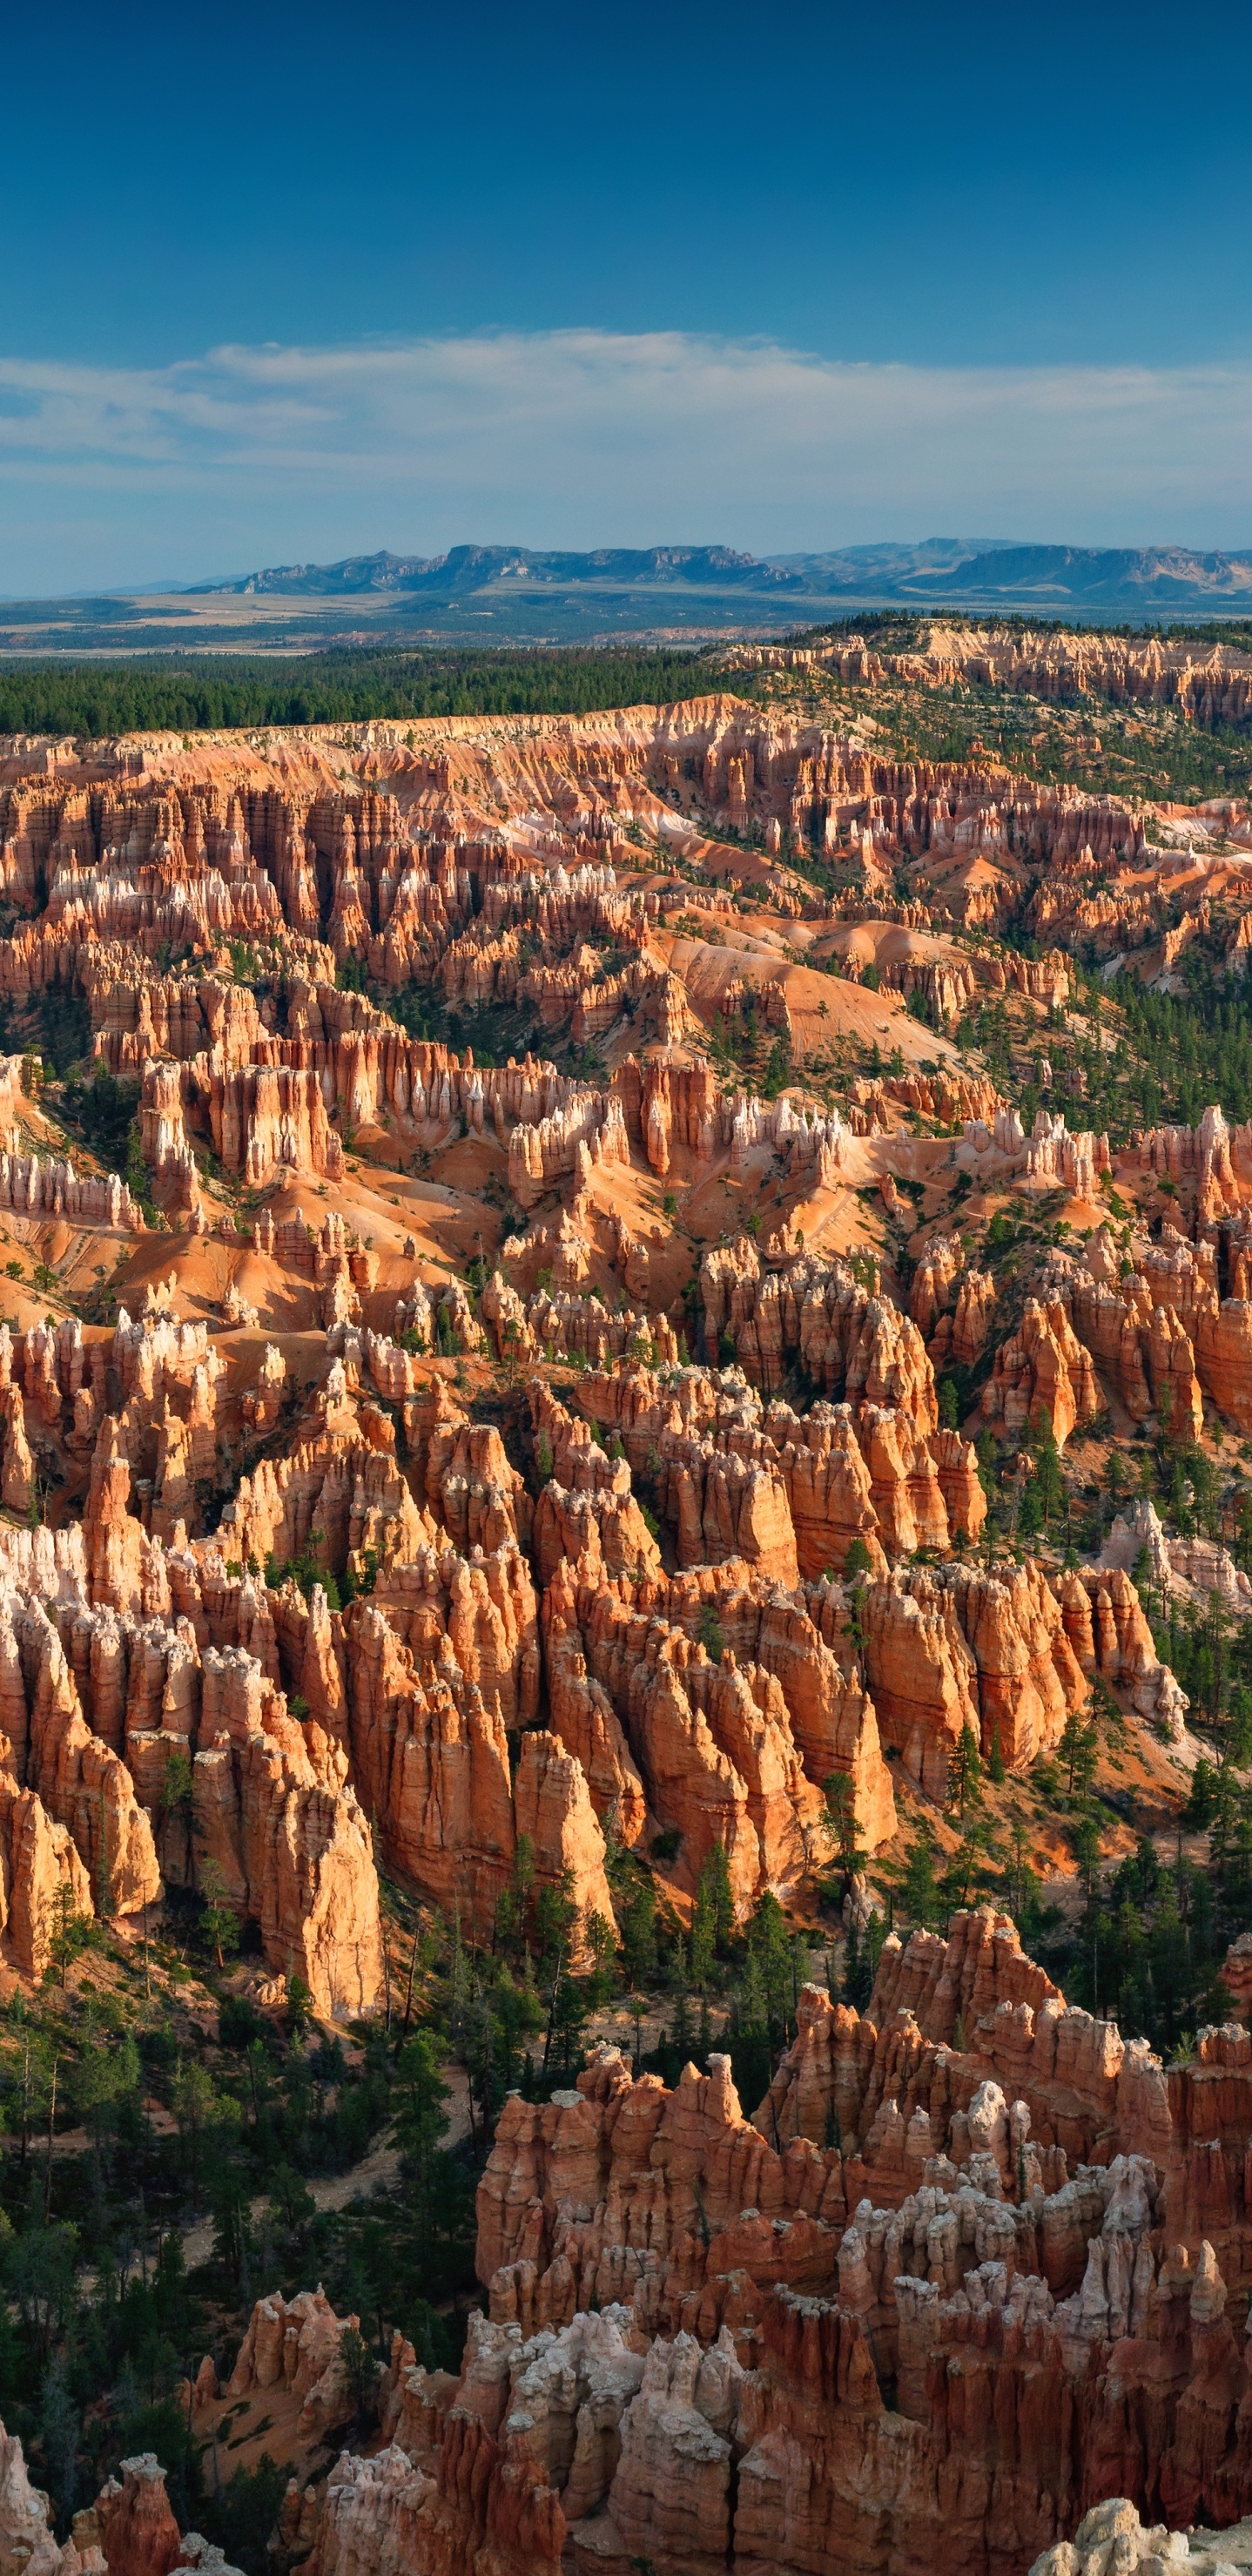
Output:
[[719, 2345]]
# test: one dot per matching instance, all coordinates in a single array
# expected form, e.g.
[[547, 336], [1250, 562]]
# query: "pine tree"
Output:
[[769, 1943], [1087, 1849], [639, 1934], [851, 1958], [681, 2029], [59, 2427], [420, 2121], [722, 1894], [703, 1930], [219, 1921], [965, 1773], [749, 2033], [1078, 1749], [840, 1796], [861, 1960], [920, 1897]]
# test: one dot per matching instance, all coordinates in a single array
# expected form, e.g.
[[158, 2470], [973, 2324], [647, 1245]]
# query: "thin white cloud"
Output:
[[255, 455]]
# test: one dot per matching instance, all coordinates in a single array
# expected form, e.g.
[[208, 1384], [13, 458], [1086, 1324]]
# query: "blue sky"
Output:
[[291, 281]]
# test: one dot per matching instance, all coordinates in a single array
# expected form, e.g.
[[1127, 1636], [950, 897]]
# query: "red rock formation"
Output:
[[480, 1499], [732, 1750], [437, 1665], [295, 2344], [789, 1493], [1043, 1373], [1106, 1627], [552, 1804], [128, 1649], [1237, 1975], [733, 2411], [1115, 2527], [952, 1646], [961, 1337], [372, 2518], [934, 1281], [778, 2288], [26, 2542], [135, 2521], [42, 1875], [17, 1466]]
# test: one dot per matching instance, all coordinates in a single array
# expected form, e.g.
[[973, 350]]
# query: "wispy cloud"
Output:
[[251, 455]]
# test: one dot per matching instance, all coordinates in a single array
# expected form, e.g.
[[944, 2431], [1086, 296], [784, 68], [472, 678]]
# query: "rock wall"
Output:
[[733, 1746], [790, 1491], [120, 1656], [968, 2269]]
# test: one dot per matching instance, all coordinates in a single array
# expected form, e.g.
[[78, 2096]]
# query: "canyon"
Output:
[[714, 2338], [533, 1333]]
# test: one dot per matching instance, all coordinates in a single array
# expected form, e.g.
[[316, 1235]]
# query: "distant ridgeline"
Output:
[[661, 595], [976, 570]]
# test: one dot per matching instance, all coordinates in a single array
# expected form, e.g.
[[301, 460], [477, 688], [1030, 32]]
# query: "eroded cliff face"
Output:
[[702, 1580], [975, 2266], [517, 1659], [560, 1442], [130, 2530], [133, 1647], [1151, 1328], [590, 2448]]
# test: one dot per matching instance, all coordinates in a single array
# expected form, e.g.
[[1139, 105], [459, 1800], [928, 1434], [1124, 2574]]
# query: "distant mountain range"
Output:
[[513, 595], [969, 572], [467, 569], [1052, 579]]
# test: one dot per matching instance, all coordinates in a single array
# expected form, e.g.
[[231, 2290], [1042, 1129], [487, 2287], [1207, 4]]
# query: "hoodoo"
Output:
[[626, 1637]]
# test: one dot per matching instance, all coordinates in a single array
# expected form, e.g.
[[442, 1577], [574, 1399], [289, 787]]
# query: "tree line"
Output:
[[185, 693]]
